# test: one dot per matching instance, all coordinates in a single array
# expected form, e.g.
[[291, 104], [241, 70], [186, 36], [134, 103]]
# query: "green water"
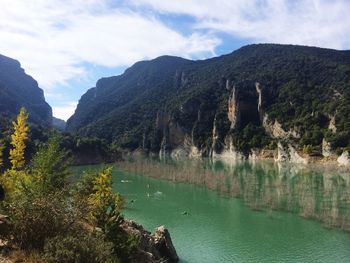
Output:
[[221, 228]]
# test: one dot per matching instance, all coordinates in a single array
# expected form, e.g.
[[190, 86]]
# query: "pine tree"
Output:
[[18, 138]]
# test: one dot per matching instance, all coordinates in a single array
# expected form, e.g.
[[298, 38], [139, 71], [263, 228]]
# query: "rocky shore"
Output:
[[152, 248]]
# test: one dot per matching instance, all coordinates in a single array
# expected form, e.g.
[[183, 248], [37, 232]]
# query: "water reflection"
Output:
[[312, 192]]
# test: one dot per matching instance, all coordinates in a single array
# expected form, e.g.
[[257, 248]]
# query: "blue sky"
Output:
[[67, 45]]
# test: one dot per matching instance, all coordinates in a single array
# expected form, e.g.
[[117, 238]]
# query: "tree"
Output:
[[2, 147], [102, 200], [18, 139], [50, 165]]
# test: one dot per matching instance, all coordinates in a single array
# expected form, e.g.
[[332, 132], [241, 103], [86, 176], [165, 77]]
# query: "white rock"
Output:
[[344, 159]]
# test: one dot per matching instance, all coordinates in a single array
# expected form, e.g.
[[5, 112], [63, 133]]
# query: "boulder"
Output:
[[164, 244], [344, 159], [152, 248]]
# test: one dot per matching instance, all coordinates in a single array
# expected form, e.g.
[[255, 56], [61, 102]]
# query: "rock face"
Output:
[[286, 152], [344, 159], [152, 248], [17, 89], [326, 148], [233, 114], [331, 125], [221, 107]]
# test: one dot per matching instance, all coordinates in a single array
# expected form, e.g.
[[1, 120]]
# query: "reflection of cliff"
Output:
[[312, 193]]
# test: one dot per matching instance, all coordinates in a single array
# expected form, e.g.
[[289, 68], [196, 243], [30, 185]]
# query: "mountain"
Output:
[[58, 123], [263, 96], [17, 89]]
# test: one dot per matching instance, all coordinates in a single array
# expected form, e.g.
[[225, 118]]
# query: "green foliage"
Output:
[[251, 136], [96, 190], [123, 245], [301, 87], [2, 148], [95, 196], [307, 149], [37, 216], [78, 248], [339, 140], [64, 222], [50, 165], [102, 200]]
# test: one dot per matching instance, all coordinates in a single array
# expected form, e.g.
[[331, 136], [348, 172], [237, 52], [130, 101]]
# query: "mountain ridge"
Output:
[[18, 89], [246, 97]]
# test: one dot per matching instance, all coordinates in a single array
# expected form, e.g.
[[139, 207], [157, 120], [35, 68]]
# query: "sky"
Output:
[[67, 45]]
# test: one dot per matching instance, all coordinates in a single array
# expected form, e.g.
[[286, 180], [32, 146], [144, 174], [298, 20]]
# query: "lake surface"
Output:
[[213, 226]]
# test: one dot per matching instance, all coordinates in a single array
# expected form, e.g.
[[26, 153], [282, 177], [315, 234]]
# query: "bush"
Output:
[[63, 225], [78, 248], [307, 149], [50, 165], [34, 217]]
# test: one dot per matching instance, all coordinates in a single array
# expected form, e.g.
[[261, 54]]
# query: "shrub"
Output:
[[79, 248], [47, 216], [50, 165], [307, 149], [34, 217]]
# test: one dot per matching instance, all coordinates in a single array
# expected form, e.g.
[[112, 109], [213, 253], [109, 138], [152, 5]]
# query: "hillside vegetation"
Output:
[[235, 99], [17, 89]]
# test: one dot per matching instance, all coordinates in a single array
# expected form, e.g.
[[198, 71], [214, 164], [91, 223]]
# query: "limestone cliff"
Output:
[[234, 106], [234, 112]]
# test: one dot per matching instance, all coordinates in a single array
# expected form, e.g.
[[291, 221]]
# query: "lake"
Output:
[[264, 224]]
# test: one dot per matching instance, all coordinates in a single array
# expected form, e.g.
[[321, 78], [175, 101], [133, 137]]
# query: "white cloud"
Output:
[[64, 112], [307, 22], [58, 40], [53, 39]]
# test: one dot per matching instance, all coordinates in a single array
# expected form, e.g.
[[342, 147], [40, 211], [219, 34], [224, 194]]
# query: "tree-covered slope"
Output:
[[17, 89], [247, 99]]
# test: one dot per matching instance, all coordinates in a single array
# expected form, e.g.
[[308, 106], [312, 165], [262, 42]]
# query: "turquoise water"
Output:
[[209, 226]]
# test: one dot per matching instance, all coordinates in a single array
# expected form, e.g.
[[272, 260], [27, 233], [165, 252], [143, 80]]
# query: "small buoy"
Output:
[[148, 195]]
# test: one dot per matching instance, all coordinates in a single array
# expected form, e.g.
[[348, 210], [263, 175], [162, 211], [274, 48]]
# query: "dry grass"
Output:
[[20, 256]]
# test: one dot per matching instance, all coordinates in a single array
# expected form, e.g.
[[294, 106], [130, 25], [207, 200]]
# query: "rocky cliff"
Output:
[[280, 100], [17, 89]]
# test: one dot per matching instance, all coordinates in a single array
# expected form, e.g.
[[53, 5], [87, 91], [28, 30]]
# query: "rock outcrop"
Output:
[[287, 153], [153, 248], [229, 151], [331, 125], [326, 148], [275, 130], [234, 113], [344, 159]]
